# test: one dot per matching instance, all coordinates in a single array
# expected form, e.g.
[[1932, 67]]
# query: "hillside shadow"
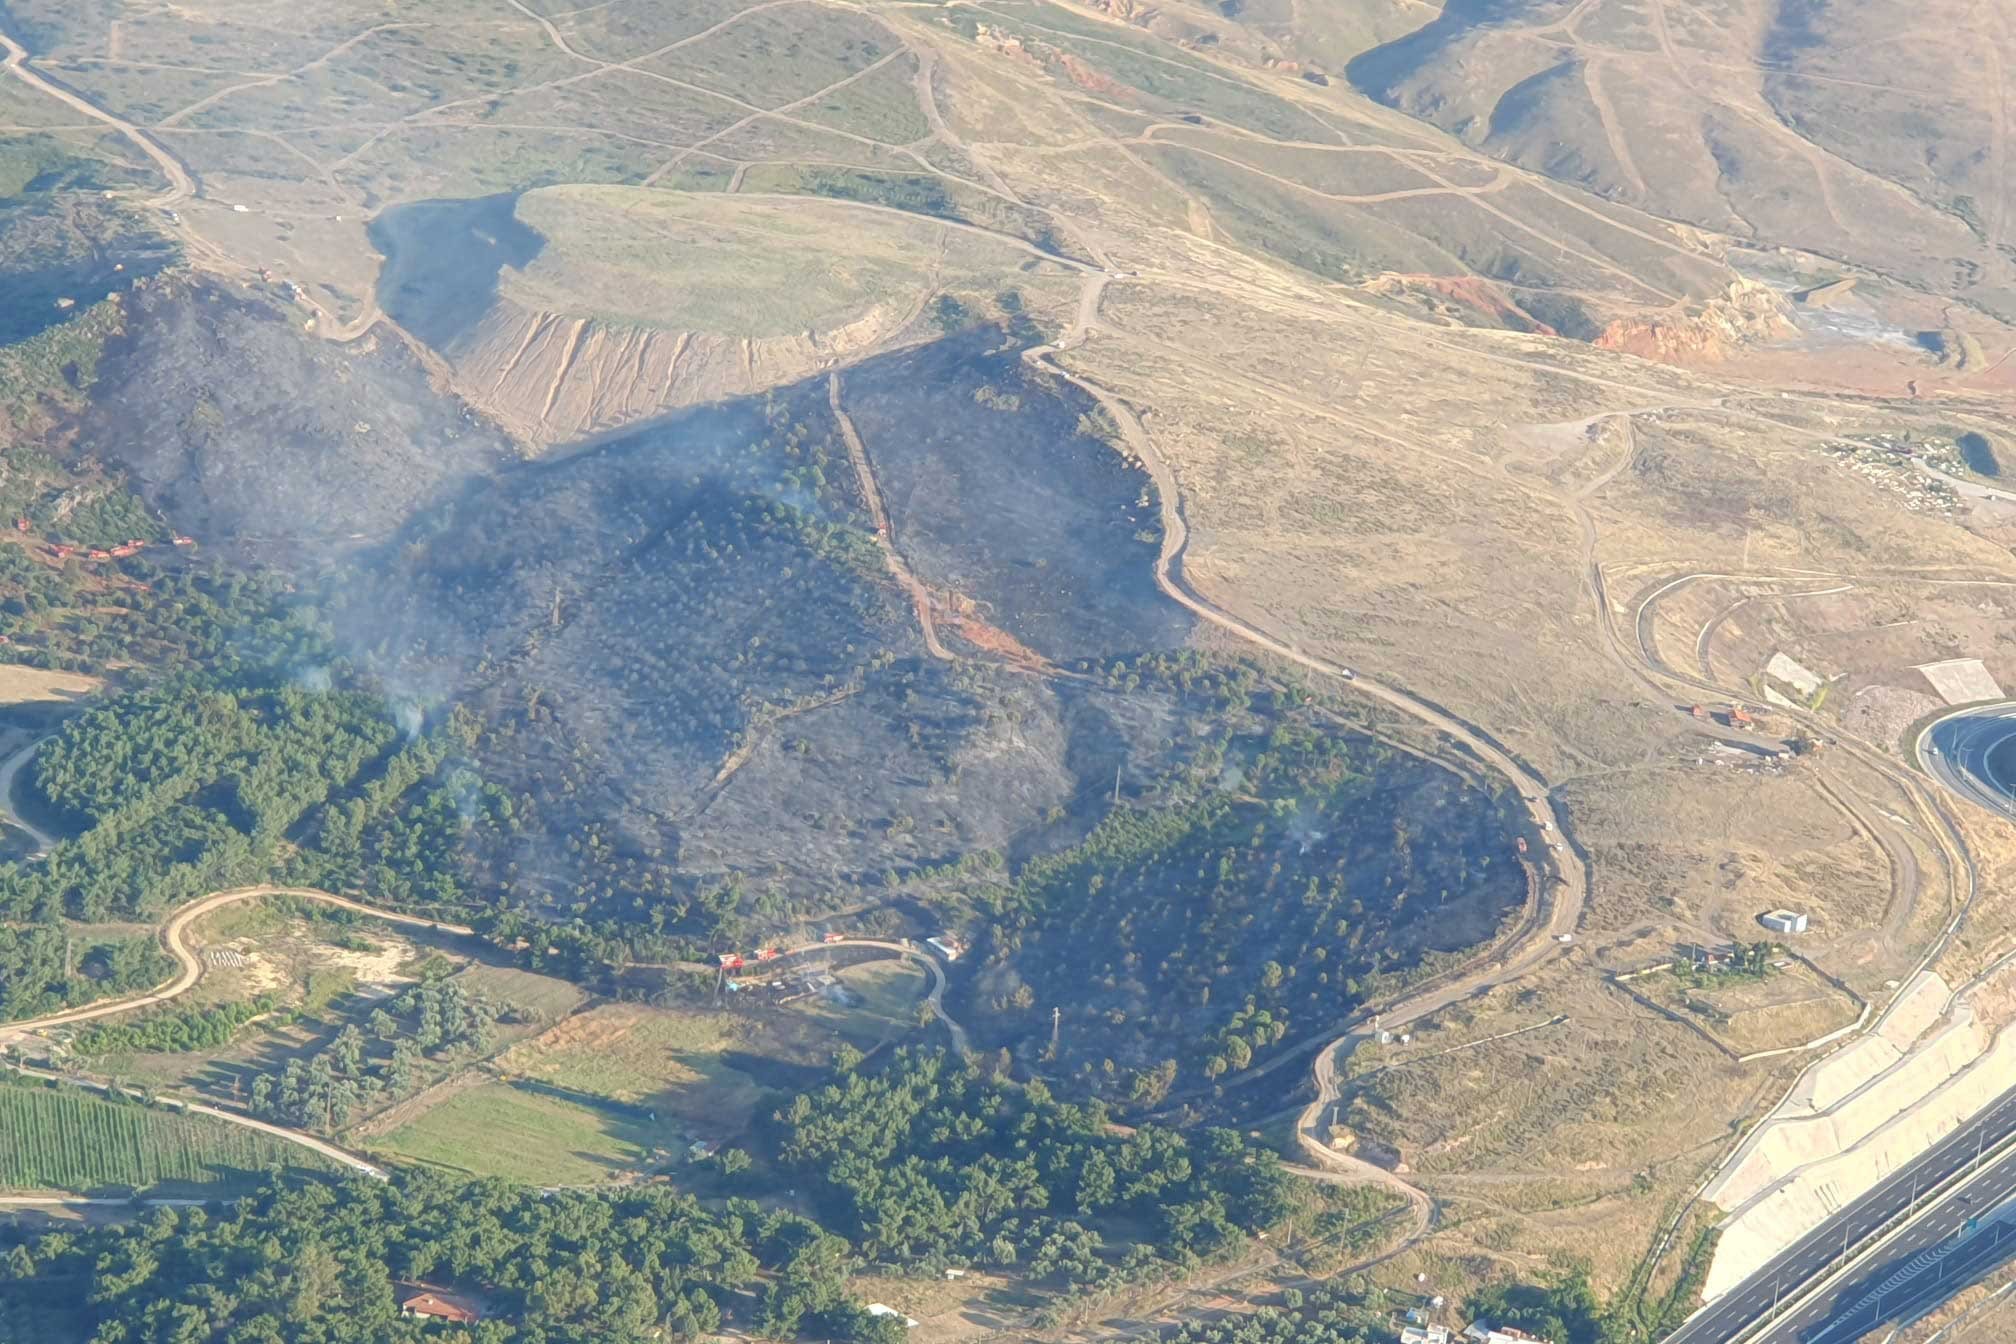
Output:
[[442, 260]]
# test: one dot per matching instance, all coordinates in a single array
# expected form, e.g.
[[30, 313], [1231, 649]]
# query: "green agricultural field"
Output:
[[887, 994], [673, 1063], [726, 264], [525, 1132], [67, 1140], [594, 1095], [916, 193], [543, 998]]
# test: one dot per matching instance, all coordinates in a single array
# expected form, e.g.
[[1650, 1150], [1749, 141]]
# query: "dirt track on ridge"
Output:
[[173, 941], [899, 568], [190, 970]]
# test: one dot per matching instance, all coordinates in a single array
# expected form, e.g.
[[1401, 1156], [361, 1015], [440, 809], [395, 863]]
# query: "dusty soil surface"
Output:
[[36, 685]]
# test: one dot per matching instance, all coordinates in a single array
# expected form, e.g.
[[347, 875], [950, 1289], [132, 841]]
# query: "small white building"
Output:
[[1783, 921], [1424, 1334], [883, 1309], [946, 945], [1485, 1333]]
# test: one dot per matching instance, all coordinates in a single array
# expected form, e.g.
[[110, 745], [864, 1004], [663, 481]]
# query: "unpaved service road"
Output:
[[10, 770], [173, 938]]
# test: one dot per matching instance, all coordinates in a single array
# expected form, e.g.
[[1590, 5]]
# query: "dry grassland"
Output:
[[753, 268], [1328, 315], [21, 685]]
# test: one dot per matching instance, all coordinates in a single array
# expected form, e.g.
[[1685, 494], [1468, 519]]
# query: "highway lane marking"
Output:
[[1934, 1166], [1936, 1224]]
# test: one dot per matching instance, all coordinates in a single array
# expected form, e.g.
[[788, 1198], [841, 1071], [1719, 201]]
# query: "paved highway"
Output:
[[1935, 1256], [1965, 752], [1914, 1281], [1781, 1280]]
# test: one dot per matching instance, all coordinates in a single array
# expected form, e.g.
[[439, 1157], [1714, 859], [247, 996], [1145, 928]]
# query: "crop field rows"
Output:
[[66, 1140]]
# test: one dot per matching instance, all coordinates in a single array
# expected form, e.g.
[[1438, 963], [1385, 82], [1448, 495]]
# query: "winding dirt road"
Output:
[[1571, 890], [10, 770], [174, 942], [1561, 905], [173, 935], [935, 996], [180, 185]]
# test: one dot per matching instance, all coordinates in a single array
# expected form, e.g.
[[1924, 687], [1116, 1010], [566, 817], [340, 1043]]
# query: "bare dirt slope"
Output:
[[1767, 119], [1475, 349], [575, 310]]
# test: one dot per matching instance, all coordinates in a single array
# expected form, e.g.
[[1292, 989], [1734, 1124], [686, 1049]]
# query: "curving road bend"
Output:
[[10, 770], [1964, 752], [180, 185], [935, 997], [1571, 893], [1560, 901], [174, 940]]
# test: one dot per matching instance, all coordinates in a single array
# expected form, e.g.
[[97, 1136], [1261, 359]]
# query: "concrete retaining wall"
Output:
[[1851, 1120]]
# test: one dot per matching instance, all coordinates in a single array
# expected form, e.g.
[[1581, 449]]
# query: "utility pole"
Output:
[[1116, 786], [1056, 1023]]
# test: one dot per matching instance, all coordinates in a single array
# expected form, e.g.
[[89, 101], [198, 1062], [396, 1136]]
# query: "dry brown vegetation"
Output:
[[36, 685], [1362, 344]]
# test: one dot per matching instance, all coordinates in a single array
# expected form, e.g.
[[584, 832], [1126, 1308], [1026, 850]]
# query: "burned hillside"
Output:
[[694, 668], [888, 639], [248, 432]]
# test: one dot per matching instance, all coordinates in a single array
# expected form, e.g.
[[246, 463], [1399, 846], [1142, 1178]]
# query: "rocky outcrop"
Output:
[[1748, 314], [1468, 300]]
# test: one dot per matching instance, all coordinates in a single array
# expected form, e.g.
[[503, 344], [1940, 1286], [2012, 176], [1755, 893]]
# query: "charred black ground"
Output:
[[691, 703]]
